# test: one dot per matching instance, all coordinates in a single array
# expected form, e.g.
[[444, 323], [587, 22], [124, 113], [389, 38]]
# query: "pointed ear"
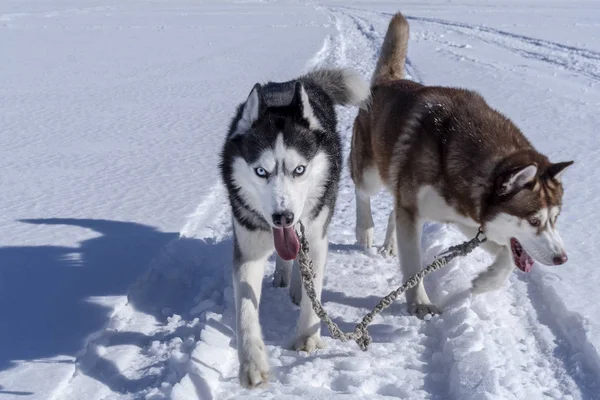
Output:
[[515, 180], [250, 111], [555, 171], [302, 101]]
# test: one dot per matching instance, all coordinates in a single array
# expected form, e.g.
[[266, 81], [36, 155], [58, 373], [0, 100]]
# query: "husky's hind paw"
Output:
[[389, 249], [254, 368], [309, 343], [422, 310], [364, 237]]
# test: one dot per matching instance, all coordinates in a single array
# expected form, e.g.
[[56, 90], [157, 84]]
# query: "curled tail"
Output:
[[392, 58], [344, 86]]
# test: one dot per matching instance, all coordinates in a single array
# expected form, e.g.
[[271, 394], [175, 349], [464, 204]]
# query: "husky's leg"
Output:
[[250, 257], [296, 285], [283, 272], [369, 185], [496, 274], [365, 228], [365, 176], [408, 232], [390, 245], [309, 325]]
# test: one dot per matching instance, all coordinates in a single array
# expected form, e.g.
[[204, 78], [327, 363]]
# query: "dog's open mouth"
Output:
[[286, 242], [523, 261]]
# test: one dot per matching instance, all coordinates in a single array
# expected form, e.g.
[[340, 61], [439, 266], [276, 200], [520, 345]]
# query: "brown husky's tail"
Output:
[[390, 65]]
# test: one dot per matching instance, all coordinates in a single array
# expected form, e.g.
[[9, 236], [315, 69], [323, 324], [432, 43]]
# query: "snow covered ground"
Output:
[[115, 258]]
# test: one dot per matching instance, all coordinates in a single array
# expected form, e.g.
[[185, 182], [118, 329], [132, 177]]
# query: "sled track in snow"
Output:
[[361, 43], [574, 59], [578, 356], [579, 61]]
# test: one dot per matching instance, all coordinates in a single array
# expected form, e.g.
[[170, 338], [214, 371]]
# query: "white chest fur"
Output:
[[433, 207]]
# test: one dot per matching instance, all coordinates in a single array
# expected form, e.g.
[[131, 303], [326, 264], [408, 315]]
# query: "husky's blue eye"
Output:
[[299, 170], [260, 171]]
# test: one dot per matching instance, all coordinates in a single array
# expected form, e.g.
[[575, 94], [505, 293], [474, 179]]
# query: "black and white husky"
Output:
[[281, 164]]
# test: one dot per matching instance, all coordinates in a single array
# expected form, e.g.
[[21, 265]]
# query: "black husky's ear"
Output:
[[515, 180], [306, 111], [555, 171], [250, 111]]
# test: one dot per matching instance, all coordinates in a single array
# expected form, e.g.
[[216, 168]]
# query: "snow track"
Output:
[[580, 61], [136, 358], [577, 60]]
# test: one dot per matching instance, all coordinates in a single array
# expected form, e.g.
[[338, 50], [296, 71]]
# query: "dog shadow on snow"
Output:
[[51, 297]]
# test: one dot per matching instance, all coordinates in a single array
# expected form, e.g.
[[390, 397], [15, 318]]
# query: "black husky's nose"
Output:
[[283, 219]]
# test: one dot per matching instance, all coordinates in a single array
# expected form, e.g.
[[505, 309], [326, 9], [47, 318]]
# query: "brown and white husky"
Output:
[[446, 156]]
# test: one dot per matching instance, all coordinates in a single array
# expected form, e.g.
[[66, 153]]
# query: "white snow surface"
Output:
[[116, 240]]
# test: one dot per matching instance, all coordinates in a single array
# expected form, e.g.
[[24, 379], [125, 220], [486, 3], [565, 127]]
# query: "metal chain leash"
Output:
[[361, 334]]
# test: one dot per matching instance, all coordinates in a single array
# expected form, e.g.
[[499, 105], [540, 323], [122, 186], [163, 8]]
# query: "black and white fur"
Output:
[[283, 156]]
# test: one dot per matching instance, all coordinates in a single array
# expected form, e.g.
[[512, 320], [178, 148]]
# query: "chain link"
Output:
[[361, 334]]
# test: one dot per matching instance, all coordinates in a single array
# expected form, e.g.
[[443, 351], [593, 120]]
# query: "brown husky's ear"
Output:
[[515, 180], [555, 171]]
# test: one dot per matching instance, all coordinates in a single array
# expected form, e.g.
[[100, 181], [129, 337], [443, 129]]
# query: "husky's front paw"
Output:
[[492, 278], [364, 237], [483, 283], [422, 310], [389, 249], [480, 285], [254, 370], [309, 343]]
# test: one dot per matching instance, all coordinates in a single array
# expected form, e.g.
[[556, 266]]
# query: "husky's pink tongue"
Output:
[[286, 243], [525, 262]]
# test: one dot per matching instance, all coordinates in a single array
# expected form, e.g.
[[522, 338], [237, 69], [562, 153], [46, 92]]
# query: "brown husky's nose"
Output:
[[558, 260]]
